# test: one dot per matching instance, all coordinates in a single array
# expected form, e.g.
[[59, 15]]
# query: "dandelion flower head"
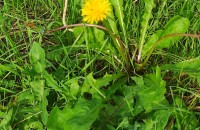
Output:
[[94, 11]]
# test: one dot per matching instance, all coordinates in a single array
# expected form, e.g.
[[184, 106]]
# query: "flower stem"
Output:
[[120, 47]]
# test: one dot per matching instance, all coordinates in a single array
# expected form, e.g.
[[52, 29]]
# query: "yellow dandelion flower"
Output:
[[94, 11]]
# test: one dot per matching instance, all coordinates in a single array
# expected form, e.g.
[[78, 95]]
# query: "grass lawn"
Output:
[[99, 65]]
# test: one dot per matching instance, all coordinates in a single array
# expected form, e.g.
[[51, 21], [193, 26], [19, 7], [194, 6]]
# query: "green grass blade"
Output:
[[187, 66], [118, 7], [7, 68]]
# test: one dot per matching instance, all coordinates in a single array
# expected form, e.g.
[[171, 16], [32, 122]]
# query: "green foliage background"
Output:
[[140, 74]]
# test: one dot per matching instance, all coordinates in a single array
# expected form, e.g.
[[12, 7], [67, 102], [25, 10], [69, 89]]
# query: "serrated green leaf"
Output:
[[107, 78], [93, 86], [124, 123], [56, 119], [90, 84], [149, 5], [151, 95], [80, 117], [156, 121], [51, 82], [138, 80], [116, 86]]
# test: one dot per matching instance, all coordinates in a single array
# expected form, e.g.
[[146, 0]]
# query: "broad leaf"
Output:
[[177, 24], [37, 57], [5, 119], [151, 94], [35, 125], [88, 34], [148, 124], [79, 33], [156, 121], [160, 119], [74, 86], [80, 117], [40, 94], [38, 89]]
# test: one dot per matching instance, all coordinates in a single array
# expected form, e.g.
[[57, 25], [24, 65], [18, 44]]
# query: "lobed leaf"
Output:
[[51, 82], [151, 92]]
